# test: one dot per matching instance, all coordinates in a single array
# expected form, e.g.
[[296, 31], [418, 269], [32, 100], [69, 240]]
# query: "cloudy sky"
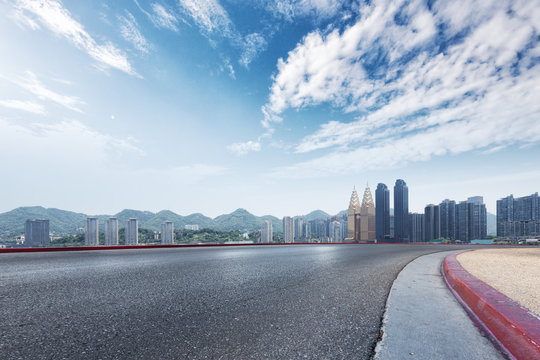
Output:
[[278, 107]]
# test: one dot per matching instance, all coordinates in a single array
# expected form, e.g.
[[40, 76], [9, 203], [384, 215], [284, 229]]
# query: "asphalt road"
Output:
[[265, 302]]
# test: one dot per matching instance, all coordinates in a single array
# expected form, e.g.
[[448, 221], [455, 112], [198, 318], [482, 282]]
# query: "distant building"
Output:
[[167, 233], [36, 232], [447, 209], [416, 226], [432, 222], [382, 212], [336, 234], [518, 217], [266, 232], [111, 231], [366, 223], [299, 228], [392, 225], [288, 229], [132, 232], [191, 227], [92, 232], [401, 211], [471, 219], [352, 213]]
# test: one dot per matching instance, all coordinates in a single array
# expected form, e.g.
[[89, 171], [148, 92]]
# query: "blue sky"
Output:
[[279, 107]]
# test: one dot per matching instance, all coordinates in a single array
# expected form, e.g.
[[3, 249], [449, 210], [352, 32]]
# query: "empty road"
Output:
[[273, 302]]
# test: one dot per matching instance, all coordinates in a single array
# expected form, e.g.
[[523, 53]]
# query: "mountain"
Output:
[[241, 219], [317, 214], [67, 222]]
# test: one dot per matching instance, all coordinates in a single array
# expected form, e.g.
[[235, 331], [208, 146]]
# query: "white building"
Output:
[[191, 227], [167, 233], [92, 234], [288, 229], [111, 231], [132, 232], [336, 232], [266, 232]]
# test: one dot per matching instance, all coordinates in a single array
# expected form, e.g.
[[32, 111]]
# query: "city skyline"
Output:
[[209, 106]]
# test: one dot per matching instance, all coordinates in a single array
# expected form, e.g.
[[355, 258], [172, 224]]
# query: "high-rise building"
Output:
[[447, 210], [299, 228], [167, 233], [382, 212], [288, 229], [193, 227], [432, 222], [518, 217], [36, 232], [471, 219], [92, 232], [352, 213], [416, 226], [111, 231], [336, 234], [132, 232], [401, 211], [367, 218], [266, 232]]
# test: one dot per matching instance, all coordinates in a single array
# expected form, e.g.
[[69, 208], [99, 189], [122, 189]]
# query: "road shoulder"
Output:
[[423, 320]]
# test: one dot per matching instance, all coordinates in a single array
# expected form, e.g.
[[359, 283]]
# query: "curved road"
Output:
[[273, 302]]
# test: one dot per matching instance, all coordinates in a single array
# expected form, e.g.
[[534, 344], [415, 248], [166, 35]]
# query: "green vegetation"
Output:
[[67, 222]]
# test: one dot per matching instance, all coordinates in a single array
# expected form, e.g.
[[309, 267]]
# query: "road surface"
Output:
[[260, 302]]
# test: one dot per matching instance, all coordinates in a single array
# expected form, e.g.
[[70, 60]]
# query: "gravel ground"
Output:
[[513, 272]]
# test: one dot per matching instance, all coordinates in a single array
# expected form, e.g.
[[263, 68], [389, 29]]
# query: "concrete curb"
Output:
[[515, 329]]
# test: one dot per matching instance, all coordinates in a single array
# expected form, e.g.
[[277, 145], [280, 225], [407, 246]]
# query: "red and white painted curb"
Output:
[[514, 329]]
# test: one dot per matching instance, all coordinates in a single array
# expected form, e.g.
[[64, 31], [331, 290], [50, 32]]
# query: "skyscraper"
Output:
[[288, 229], [518, 216], [298, 228], [447, 210], [367, 218], [36, 232], [352, 213], [401, 211], [336, 234], [416, 226], [167, 233], [92, 232], [382, 212], [132, 232], [471, 219], [111, 231], [266, 232], [432, 221]]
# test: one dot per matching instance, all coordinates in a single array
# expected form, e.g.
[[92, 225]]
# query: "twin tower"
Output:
[[361, 218]]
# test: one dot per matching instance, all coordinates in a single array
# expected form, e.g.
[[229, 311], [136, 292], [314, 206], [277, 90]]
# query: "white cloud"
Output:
[[244, 147], [209, 15], [161, 17], [31, 83], [29, 106], [253, 45], [296, 8], [415, 102], [65, 142], [129, 28], [58, 19]]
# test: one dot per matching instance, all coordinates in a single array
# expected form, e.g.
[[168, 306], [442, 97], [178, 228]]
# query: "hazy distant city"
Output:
[[369, 220]]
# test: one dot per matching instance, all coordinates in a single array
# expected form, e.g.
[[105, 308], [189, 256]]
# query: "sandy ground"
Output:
[[513, 272]]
